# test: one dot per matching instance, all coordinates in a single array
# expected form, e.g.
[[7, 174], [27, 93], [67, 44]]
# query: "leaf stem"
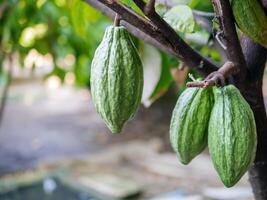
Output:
[[117, 20]]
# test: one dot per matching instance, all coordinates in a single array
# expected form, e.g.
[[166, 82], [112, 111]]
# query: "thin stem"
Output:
[[150, 7], [234, 52], [203, 14], [216, 78], [117, 20]]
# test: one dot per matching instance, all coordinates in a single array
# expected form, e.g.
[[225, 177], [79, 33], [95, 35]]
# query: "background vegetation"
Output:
[[67, 33]]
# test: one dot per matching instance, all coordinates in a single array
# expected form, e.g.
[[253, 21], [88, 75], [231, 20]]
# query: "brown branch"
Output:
[[201, 18], [152, 34], [117, 20], [138, 26], [150, 7], [216, 78], [234, 52], [186, 53]]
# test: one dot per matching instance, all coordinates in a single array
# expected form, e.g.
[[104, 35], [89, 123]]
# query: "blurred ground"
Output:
[[45, 126], [42, 123]]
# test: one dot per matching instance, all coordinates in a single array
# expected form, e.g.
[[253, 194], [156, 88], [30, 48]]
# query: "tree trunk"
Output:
[[256, 58]]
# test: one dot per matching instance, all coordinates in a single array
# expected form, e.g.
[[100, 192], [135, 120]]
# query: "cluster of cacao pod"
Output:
[[218, 117], [116, 78], [221, 119]]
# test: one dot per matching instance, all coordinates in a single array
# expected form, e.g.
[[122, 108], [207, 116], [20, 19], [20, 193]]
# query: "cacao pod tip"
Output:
[[185, 162], [230, 183], [115, 129]]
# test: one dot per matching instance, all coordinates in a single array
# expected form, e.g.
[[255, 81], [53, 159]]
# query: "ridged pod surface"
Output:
[[116, 78], [232, 136], [189, 123], [251, 19]]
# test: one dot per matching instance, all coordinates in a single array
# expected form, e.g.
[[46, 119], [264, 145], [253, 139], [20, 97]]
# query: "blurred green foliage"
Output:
[[56, 27], [72, 29]]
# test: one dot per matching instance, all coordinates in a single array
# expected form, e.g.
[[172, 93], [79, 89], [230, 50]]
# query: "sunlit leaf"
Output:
[[81, 15], [180, 18], [204, 5], [167, 62], [161, 9], [151, 59], [132, 5], [199, 37], [181, 2]]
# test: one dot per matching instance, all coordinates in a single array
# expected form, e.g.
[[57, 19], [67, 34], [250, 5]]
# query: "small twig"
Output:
[[192, 77], [219, 40], [182, 66], [150, 7], [117, 20], [199, 84], [203, 14], [216, 78]]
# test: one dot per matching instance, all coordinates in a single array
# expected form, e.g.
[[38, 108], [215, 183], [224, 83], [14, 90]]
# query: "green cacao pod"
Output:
[[251, 19], [116, 78], [232, 135], [189, 123]]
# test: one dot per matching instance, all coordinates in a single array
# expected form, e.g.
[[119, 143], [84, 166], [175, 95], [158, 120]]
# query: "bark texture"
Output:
[[256, 56], [256, 59]]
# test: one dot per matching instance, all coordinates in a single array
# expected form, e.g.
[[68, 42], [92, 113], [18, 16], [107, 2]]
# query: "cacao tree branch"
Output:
[[152, 34], [233, 48], [186, 53], [256, 57], [216, 78], [150, 7], [137, 25], [201, 18]]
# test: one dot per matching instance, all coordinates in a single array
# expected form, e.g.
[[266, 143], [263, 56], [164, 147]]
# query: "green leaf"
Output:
[[198, 37], [81, 15], [167, 62], [132, 5], [204, 5], [151, 60], [181, 19], [161, 9], [181, 2]]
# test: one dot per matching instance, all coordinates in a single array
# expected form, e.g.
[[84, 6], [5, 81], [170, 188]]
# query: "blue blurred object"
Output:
[[48, 189], [170, 195]]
